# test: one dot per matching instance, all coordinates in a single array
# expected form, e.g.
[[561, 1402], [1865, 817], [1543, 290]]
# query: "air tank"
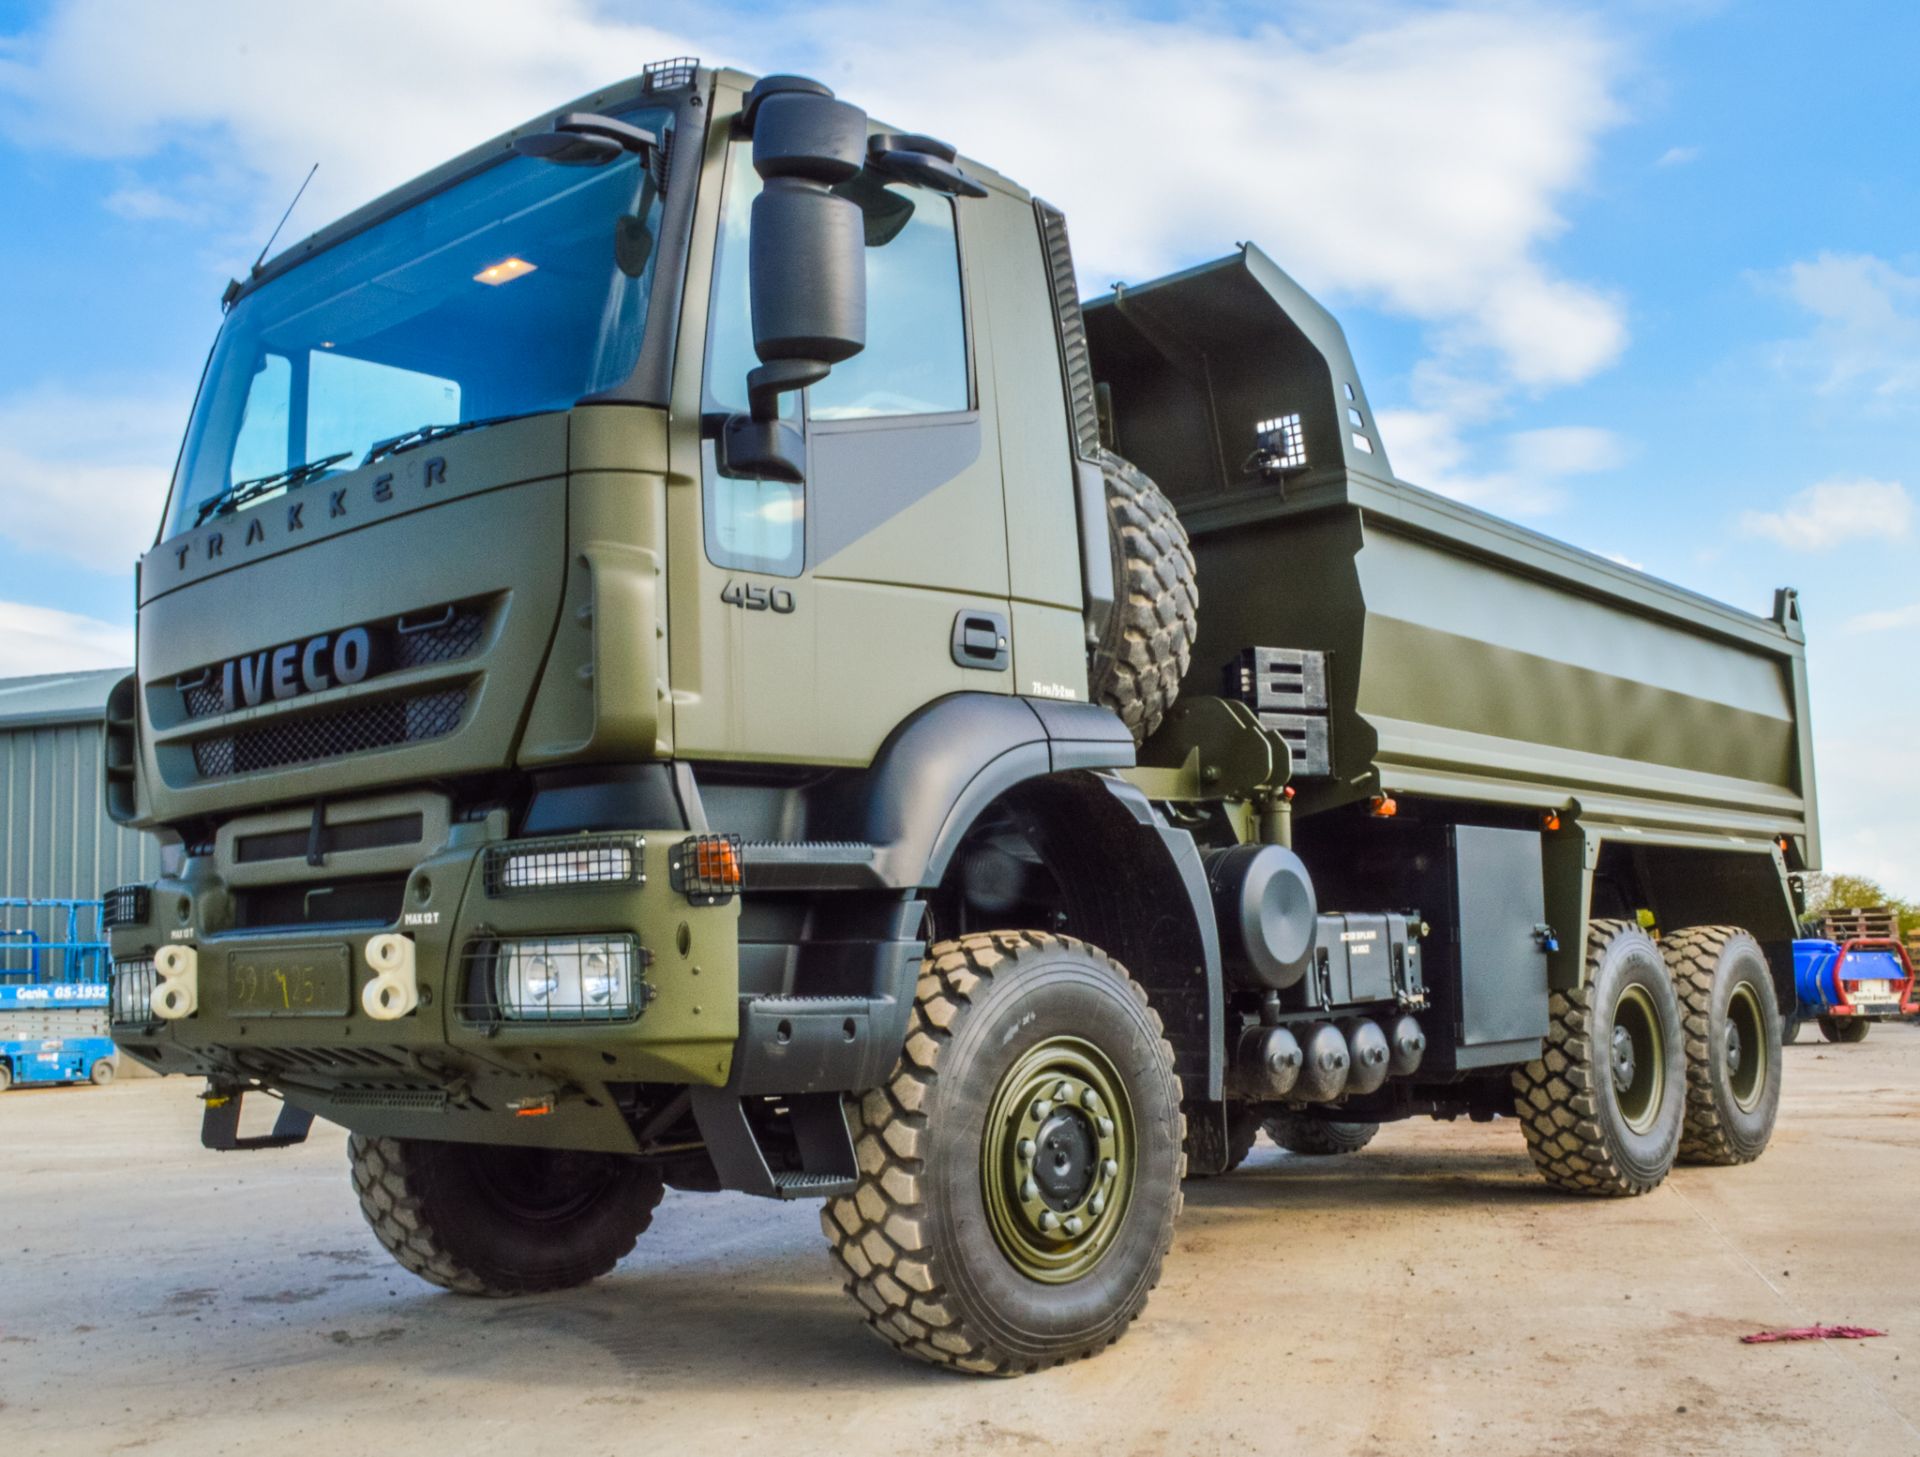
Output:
[[1409, 1043], [1267, 1062], [1324, 1063], [1368, 1054]]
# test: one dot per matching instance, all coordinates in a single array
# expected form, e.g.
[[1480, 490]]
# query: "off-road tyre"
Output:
[[1580, 1137], [102, 1072], [1790, 1026], [1143, 654], [1208, 1156], [1319, 1137], [1727, 1006], [916, 1244], [1845, 1029], [451, 1212]]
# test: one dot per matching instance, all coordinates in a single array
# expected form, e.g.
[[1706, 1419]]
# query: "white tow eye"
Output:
[[395, 988], [176, 992]]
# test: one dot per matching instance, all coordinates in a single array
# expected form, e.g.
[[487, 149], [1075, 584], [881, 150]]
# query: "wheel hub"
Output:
[[1057, 1159], [1624, 1065], [1734, 1049]]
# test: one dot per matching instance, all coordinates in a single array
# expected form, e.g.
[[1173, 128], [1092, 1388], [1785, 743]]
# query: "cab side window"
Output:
[[915, 362]]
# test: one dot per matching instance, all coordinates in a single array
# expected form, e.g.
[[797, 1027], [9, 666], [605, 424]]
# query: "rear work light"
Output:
[[566, 860], [570, 979]]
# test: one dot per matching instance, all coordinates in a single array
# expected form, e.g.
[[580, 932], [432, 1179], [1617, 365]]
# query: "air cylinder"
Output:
[[1267, 1062], [1409, 1043], [1368, 1054], [1324, 1063]]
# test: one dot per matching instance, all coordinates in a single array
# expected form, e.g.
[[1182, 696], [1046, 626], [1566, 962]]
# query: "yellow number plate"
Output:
[[290, 981]]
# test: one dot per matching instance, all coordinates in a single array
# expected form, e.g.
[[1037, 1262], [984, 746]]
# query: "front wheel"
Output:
[[1020, 1171], [1603, 1106], [487, 1219], [1844, 1029], [102, 1072]]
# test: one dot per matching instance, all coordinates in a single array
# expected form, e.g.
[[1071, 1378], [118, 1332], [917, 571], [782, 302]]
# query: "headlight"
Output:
[[583, 979], [133, 991], [566, 860]]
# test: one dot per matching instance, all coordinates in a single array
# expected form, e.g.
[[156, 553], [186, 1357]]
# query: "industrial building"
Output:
[[56, 842]]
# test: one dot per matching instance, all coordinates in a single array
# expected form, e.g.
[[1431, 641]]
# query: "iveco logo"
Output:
[[299, 667]]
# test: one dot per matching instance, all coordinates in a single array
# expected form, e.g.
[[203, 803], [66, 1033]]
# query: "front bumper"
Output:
[[452, 1067]]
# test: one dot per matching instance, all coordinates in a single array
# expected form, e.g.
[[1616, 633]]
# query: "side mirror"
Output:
[[807, 265]]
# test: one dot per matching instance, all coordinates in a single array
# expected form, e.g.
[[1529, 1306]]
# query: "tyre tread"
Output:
[[879, 1235]]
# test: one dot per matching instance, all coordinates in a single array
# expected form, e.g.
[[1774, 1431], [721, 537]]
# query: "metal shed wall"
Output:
[[55, 837]]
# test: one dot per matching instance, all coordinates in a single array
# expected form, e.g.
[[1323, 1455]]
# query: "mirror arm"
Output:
[[766, 384]]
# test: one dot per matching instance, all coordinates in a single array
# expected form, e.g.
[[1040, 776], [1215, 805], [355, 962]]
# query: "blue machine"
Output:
[[53, 998], [1846, 985]]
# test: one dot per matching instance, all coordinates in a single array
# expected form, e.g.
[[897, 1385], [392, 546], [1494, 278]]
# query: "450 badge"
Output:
[[754, 598]]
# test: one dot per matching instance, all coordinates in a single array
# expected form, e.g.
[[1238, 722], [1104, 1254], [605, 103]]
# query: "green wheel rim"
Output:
[[1057, 1160], [1637, 1056], [1746, 1046]]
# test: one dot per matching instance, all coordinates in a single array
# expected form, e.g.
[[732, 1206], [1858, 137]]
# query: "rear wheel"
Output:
[[1020, 1172], [1207, 1154], [1603, 1106], [6, 1076], [1729, 1013], [1143, 654], [1844, 1029], [102, 1072], [1319, 1136], [484, 1219]]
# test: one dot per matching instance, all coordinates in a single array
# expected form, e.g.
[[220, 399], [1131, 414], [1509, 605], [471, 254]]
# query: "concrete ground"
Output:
[[1426, 1296]]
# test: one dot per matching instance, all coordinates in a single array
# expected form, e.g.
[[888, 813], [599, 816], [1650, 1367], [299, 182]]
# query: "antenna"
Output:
[[283, 219]]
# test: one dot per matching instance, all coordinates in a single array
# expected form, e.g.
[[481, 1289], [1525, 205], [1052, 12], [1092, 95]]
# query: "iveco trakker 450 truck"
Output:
[[681, 653]]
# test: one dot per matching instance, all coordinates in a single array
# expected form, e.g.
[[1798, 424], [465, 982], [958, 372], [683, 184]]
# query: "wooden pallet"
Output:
[[1853, 923]]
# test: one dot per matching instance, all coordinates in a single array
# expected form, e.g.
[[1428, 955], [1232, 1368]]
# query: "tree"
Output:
[[1841, 891]]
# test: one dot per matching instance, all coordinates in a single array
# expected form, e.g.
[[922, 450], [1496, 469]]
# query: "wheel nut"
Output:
[[1029, 1190], [1111, 1168], [1063, 1093], [1049, 1220], [1091, 1101], [1105, 1126], [1074, 1225], [1041, 1110], [1025, 1150], [1097, 1205]]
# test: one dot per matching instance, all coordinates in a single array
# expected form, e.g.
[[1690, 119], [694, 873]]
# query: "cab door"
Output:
[[829, 612]]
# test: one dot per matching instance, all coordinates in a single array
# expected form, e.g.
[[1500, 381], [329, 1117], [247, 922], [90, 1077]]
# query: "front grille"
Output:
[[416, 641], [307, 740], [443, 641]]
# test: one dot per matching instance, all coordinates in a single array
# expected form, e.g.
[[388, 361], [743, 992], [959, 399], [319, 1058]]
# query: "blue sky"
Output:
[[1644, 276]]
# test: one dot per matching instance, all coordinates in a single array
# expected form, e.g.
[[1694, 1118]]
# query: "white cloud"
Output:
[[42, 640], [83, 474], [1867, 776], [1866, 336], [1677, 157], [1534, 466], [1885, 619], [1835, 512], [1414, 158]]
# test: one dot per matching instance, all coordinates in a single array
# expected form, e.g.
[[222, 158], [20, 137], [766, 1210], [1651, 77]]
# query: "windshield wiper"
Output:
[[240, 492], [422, 434]]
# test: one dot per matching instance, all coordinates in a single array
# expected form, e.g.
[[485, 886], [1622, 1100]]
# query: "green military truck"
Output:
[[680, 653]]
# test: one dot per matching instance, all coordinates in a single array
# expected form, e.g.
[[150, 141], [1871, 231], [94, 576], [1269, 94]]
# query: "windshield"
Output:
[[519, 290]]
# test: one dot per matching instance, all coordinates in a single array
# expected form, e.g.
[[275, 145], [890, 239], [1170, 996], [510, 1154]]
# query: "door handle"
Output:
[[982, 640]]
